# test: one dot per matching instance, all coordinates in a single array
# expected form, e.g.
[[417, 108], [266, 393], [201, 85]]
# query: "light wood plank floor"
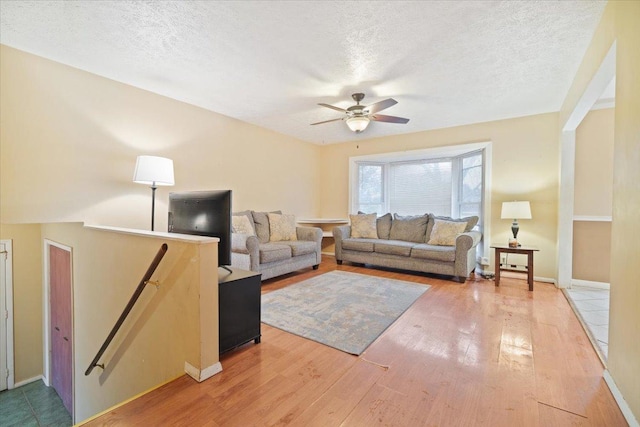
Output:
[[462, 355]]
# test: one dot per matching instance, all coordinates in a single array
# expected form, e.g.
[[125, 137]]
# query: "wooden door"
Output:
[[60, 325]]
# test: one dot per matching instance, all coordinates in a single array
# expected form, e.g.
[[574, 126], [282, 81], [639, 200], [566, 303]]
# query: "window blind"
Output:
[[416, 188]]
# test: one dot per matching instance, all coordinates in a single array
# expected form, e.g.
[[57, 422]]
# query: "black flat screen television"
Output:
[[203, 213]]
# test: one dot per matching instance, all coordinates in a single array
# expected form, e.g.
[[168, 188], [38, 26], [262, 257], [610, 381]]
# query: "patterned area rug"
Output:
[[347, 311]]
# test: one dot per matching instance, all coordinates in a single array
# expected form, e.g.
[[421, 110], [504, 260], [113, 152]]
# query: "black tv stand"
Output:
[[238, 307]]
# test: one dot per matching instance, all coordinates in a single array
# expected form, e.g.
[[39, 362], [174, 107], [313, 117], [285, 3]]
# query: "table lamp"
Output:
[[515, 211]]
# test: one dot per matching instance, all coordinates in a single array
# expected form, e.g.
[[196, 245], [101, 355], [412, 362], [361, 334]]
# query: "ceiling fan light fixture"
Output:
[[358, 123]]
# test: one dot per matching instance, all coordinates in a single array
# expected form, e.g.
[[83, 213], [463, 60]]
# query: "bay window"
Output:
[[451, 185]]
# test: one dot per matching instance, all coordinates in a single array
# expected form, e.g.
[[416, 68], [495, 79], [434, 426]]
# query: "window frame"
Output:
[[355, 201]]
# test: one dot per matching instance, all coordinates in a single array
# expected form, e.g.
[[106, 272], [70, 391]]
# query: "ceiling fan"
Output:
[[358, 116]]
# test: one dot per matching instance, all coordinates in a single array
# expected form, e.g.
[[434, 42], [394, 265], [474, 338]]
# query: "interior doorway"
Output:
[[59, 328], [6, 315], [581, 218]]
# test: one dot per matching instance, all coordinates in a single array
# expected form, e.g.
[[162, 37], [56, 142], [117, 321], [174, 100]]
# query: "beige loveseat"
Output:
[[273, 249], [424, 243]]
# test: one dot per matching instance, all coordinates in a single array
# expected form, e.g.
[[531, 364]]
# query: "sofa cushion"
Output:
[[409, 228], [363, 226], [249, 217], [383, 225], [282, 227], [470, 220], [436, 253], [271, 252], [240, 224], [445, 232], [362, 245], [261, 220], [301, 247], [393, 247]]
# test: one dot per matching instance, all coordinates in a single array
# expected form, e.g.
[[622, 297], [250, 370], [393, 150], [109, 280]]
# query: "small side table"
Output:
[[238, 307], [527, 250]]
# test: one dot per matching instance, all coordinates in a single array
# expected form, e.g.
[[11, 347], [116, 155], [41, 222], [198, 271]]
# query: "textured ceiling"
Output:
[[447, 63]]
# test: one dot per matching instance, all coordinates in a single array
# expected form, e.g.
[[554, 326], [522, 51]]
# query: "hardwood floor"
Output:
[[462, 355]]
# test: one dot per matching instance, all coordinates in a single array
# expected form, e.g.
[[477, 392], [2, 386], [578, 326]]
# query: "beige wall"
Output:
[[27, 298], [592, 251], [162, 331], [620, 24], [593, 190], [524, 167], [624, 325], [70, 141], [593, 196]]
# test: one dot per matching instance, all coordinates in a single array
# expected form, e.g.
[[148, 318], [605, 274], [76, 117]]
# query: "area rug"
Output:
[[347, 311]]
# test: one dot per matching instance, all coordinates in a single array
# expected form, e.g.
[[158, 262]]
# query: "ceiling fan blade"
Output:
[[342, 110], [326, 121], [381, 105], [388, 119]]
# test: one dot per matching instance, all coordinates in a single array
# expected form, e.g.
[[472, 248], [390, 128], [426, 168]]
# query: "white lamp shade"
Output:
[[516, 210], [153, 170], [358, 123]]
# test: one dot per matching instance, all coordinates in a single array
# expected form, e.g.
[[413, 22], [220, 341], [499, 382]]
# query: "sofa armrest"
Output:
[[339, 233], [244, 244], [312, 234], [468, 240], [247, 244], [466, 253]]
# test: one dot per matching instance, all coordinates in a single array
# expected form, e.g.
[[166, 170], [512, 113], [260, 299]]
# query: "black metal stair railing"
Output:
[[127, 309]]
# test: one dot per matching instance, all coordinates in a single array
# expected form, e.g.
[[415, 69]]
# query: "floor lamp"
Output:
[[153, 171]]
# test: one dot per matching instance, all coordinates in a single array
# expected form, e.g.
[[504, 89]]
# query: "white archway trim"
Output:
[[606, 72], [7, 252], [565, 208], [594, 90]]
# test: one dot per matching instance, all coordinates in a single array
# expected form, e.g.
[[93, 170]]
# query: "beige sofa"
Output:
[[407, 243], [256, 250]]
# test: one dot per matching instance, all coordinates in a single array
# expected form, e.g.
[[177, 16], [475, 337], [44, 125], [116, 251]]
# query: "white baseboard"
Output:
[[617, 395], [28, 381], [201, 375], [545, 280], [590, 284], [480, 271]]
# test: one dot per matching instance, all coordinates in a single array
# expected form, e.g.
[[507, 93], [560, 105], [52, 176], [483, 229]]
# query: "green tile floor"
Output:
[[33, 404]]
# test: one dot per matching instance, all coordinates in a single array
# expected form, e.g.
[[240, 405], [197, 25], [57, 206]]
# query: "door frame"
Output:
[[8, 292], [46, 318]]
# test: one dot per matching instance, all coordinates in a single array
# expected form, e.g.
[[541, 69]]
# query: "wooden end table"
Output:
[[526, 250]]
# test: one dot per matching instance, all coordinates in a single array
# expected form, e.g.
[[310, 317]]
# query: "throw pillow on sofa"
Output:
[[282, 227], [470, 222], [409, 228], [240, 224], [363, 226], [249, 217], [444, 233]]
